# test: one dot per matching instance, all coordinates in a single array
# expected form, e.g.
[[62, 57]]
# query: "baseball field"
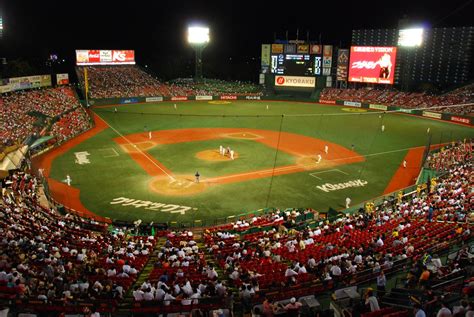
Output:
[[140, 161]]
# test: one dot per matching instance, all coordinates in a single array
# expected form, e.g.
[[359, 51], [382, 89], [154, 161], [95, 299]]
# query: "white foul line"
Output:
[[133, 145], [335, 169]]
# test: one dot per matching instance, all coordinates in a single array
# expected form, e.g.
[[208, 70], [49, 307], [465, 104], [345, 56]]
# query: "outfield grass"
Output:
[[113, 173]]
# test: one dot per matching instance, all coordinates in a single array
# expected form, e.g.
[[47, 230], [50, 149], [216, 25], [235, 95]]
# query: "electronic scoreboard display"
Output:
[[292, 64]]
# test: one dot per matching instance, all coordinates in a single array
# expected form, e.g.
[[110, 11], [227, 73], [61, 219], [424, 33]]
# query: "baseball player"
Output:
[[267, 107], [149, 135], [197, 176], [348, 202], [231, 154], [221, 150], [404, 163], [68, 180], [319, 159], [326, 149], [383, 128], [175, 106], [428, 130], [227, 151]]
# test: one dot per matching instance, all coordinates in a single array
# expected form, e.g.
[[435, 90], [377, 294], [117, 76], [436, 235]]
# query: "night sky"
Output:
[[156, 29]]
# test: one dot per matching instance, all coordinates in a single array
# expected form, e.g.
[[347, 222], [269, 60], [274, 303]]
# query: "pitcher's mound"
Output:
[[215, 156], [181, 186]]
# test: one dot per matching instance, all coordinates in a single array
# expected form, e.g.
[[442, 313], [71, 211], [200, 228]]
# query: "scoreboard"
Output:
[[297, 60], [292, 64]]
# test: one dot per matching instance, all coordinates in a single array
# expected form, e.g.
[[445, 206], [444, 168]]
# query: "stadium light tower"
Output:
[[198, 37]]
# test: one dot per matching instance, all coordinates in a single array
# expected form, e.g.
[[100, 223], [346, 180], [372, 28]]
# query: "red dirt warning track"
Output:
[[405, 177], [294, 144]]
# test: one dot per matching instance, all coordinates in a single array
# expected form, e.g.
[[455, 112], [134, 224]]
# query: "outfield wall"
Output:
[[455, 118]]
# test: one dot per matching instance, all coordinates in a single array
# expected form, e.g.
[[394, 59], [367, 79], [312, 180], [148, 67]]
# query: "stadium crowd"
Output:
[[51, 258], [131, 81], [28, 112], [407, 100]]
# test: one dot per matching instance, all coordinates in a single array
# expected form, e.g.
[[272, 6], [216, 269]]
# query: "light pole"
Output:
[[198, 37]]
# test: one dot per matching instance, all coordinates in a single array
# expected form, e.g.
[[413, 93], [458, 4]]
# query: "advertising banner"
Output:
[[27, 82], [327, 102], [252, 97], [45, 80], [326, 71], [352, 104], [372, 64], [433, 115], [128, 100], [62, 79], [277, 48], [179, 98], [266, 55], [153, 99], [378, 107], [290, 48], [5, 88], [105, 57], [327, 61], [295, 81], [302, 48], [316, 49], [228, 97], [203, 97], [327, 50], [342, 62], [460, 119]]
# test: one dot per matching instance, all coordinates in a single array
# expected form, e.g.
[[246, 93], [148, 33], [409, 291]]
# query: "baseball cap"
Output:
[[293, 300]]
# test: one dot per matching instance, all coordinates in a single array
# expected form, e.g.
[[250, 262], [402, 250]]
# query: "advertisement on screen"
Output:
[[62, 79], [295, 81], [105, 57], [372, 64]]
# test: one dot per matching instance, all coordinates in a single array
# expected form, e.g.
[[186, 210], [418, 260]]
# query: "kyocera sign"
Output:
[[295, 81]]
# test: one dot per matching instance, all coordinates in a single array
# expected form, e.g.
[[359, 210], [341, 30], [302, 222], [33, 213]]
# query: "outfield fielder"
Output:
[[68, 180], [383, 128], [175, 106]]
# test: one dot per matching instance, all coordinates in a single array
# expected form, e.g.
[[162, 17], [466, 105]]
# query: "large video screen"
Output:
[[372, 64], [292, 64], [105, 57]]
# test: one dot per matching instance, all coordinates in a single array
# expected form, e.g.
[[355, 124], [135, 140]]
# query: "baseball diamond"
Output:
[[275, 152]]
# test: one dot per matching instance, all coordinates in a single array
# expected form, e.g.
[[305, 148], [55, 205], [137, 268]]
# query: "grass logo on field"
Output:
[[219, 102], [328, 187], [354, 110], [81, 158]]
